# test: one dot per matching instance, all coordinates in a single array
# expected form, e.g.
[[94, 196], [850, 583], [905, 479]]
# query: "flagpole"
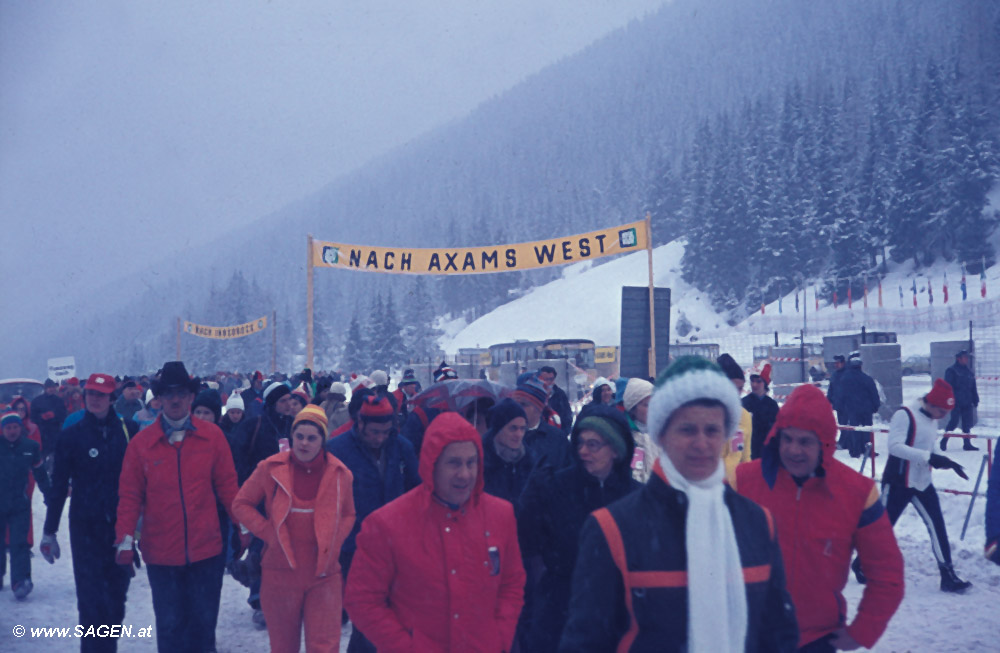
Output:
[[652, 312], [274, 341], [178, 338], [309, 301]]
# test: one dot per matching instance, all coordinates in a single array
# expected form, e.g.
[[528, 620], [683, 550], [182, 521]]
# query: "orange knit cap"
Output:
[[314, 415]]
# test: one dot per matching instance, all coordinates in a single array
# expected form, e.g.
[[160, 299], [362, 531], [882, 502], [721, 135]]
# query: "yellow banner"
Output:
[[481, 260], [605, 354], [225, 332]]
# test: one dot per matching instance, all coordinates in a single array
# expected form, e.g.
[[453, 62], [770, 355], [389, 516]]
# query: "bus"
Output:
[[577, 351]]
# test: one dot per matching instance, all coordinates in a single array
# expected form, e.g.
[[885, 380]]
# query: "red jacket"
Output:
[[428, 578], [271, 483], [174, 488], [819, 527]]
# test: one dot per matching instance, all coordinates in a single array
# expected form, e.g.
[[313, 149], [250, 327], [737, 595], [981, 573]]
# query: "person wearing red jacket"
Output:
[[439, 569], [823, 510], [309, 507], [172, 472]]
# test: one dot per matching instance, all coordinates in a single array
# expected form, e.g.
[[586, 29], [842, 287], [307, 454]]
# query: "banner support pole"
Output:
[[274, 341], [178, 338], [652, 311], [309, 301]]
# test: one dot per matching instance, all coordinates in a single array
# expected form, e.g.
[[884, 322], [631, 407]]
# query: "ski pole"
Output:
[[972, 501]]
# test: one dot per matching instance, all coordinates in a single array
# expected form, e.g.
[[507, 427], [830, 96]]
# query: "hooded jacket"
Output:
[[271, 483], [820, 522], [430, 578]]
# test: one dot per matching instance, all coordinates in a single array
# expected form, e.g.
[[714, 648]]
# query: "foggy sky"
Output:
[[132, 129]]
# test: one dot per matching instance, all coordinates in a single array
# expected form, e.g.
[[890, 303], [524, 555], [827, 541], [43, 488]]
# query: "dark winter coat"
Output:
[[415, 424], [371, 491], [126, 408], [256, 439], [18, 459], [253, 403], [89, 455], [549, 445], [963, 383], [833, 391], [559, 403], [652, 523], [503, 479], [858, 397], [993, 511], [554, 506], [48, 413], [763, 411]]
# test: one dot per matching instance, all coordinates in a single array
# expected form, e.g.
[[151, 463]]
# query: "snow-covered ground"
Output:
[[928, 620]]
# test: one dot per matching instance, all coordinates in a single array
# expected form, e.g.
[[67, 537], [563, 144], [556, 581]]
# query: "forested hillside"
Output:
[[821, 179]]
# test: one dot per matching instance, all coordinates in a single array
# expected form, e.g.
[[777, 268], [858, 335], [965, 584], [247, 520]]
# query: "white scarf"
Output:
[[717, 602]]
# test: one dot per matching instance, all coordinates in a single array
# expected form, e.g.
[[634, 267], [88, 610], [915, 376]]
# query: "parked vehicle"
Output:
[[916, 365]]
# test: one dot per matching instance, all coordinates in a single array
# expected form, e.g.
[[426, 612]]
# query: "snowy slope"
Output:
[[586, 303]]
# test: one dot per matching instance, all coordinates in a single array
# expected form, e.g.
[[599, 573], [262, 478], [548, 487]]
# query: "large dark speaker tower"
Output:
[[635, 330]]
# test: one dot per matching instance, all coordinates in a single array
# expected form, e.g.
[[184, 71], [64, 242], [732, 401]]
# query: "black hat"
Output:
[[175, 375], [964, 352], [731, 367], [839, 358], [49, 383]]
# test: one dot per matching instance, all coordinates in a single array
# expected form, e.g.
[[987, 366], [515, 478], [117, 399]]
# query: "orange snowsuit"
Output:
[[301, 579]]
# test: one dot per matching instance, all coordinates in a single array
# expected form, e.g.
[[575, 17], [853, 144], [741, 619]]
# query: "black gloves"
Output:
[[938, 461]]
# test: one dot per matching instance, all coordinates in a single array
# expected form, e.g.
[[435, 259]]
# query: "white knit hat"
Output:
[[635, 391], [379, 377], [691, 378], [149, 396], [338, 388], [360, 381], [235, 401]]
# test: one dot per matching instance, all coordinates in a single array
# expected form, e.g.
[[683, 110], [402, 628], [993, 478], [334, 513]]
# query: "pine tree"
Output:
[[356, 347], [377, 359], [393, 349]]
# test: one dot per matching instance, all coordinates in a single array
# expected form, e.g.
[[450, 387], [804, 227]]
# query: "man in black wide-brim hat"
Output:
[[172, 473]]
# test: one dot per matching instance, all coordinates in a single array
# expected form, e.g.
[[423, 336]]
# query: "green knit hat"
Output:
[[606, 430], [691, 378]]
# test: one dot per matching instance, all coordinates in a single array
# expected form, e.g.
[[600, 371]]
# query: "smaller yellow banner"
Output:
[[481, 260], [225, 332], [605, 354]]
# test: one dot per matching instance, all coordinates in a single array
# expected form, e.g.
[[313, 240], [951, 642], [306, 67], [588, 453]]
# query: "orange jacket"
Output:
[[174, 488], [431, 579], [271, 483]]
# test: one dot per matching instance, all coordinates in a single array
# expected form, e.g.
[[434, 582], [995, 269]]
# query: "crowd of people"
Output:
[[667, 514]]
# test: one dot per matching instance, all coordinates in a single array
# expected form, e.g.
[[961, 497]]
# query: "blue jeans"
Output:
[[186, 604]]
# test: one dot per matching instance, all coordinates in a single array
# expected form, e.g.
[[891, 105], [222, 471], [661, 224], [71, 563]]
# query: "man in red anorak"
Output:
[[439, 568], [824, 510]]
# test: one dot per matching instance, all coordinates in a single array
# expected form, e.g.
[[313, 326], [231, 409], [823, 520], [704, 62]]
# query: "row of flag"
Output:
[[835, 299]]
